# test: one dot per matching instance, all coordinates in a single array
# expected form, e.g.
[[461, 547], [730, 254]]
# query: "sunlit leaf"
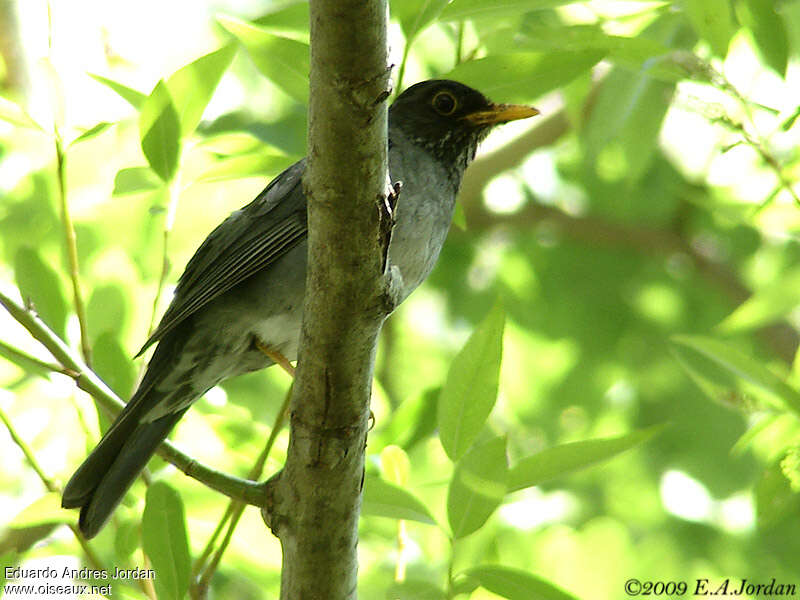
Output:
[[568, 458], [40, 285], [492, 9], [416, 15], [106, 310], [470, 390], [135, 180], [775, 499], [160, 132], [713, 21], [763, 18], [192, 86], [112, 362], [522, 76], [47, 509], [384, 499], [290, 20], [415, 589], [133, 97], [16, 115], [165, 541], [92, 132], [742, 366], [766, 305], [256, 164], [282, 60], [478, 487], [516, 584]]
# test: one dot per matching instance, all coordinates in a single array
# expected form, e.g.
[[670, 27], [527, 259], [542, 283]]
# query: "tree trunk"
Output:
[[317, 497]]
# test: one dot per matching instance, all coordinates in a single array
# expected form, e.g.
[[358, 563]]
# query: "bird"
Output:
[[237, 306]]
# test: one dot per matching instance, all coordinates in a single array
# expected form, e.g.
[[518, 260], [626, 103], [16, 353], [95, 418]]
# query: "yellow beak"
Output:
[[501, 113]]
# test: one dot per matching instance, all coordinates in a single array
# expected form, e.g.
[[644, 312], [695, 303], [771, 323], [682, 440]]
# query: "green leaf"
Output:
[[478, 486], [255, 164], [383, 499], [742, 366], [90, 133], [113, 363], [713, 22], [135, 180], [763, 19], [165, 541], [290, 20], [282, 60], [7, 559], [628, 113], [470, 390], [106, 310], [415, 589], [522, 76], [133, 97], [46, 510], [160, 132], [192, 86], [416, 15], [40, 285], [766, 305], [13, 113], [413, 421], [568, 458], [459, 10], [775, 499], [516, 584]]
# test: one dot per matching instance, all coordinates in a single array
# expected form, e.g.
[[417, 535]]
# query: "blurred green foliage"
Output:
[[627, 281]]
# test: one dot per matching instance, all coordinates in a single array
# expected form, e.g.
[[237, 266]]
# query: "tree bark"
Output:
[[315, 500]]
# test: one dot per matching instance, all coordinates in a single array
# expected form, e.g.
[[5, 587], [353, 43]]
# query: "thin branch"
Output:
[[71, 244], [236, 509], [48, 484], [87, 380]]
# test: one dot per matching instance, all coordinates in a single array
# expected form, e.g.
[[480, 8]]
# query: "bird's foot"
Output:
[[276, 357]]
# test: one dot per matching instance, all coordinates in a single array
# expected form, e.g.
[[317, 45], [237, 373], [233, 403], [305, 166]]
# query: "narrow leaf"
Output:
[[713, 22], [13, 113], [282, 60], [93, 131], [478, 487], [459, 10], [383, 499], [516, 584], [165, 541], [192, 86], [46, 510], [133, 97], [135, 180], [415, 589], [416, 15], [160, 132], [766, 305], [262, 163], [763, 19], [568, 458], [40, 285], [522, 76], [742, 366], [470, 390]]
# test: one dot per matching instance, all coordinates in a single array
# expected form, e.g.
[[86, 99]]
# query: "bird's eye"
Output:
[[444, 103]]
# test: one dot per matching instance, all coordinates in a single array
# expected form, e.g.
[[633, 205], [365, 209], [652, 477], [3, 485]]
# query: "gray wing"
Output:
[[249, 240]]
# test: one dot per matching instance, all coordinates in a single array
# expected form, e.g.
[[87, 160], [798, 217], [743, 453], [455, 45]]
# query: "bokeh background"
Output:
[[641, 235]]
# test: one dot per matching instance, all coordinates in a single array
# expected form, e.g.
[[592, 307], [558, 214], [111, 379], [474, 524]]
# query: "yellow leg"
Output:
[[276, 357]]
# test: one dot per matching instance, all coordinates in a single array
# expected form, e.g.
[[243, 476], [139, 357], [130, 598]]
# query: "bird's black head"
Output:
[[450, 119]]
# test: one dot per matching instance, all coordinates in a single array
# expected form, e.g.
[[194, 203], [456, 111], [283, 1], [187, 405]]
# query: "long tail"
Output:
[[100, 483]]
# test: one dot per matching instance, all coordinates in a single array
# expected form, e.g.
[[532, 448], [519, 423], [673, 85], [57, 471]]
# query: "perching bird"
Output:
[[242, 291]]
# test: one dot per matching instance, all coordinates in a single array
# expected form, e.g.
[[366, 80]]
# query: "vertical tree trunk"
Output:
[[318, 494]]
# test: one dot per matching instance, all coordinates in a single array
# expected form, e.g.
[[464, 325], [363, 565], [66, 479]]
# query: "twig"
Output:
[[236, 509], [49, 485], [72, 249], [87, 380]]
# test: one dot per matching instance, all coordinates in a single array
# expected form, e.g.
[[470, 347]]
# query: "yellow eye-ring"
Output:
[[444, 103]]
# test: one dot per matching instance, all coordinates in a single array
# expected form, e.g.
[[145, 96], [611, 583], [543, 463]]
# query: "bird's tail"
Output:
[[100, 483]]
